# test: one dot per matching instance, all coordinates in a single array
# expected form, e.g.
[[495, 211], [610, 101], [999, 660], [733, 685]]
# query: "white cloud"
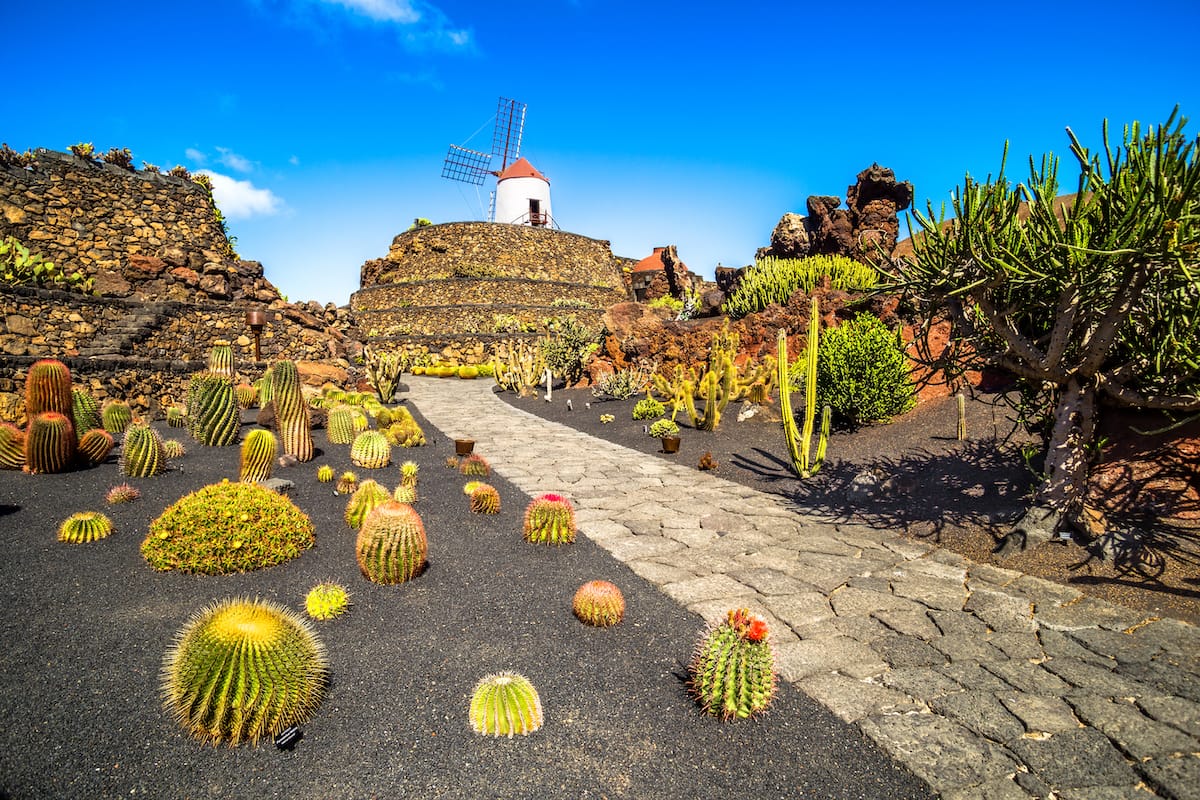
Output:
[[234, 161], [195, 155], [242, 199], [424, 26], [400, 11], [294, 161]]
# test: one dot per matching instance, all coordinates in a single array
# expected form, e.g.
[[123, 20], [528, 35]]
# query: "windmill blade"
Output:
[[468, 166], [506, 136]]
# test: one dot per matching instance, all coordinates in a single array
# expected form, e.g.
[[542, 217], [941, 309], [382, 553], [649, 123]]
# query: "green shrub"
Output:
[[774, 280], [669, 303], [862, 373], [20, 267], [227, 527], [648, 408], [567, 348], [622, 384], [664, 427]]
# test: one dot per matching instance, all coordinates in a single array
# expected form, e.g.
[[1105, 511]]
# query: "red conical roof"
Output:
[[521, 168]]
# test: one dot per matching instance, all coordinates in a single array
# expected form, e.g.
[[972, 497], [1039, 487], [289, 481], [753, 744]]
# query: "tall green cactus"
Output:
[[291, 412], [220, 359], [258, 456], [47, 388], [391, 544], [49, 443], [213, 416], [85, 412], [116, 416], [733, 668], [142, 454], [799, 443], [12, 446]]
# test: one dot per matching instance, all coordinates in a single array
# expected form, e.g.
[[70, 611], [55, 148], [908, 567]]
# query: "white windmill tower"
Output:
[[522, 194]]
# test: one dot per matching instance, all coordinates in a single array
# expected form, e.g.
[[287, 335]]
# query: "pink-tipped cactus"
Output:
[[550, 518], [599, 603]]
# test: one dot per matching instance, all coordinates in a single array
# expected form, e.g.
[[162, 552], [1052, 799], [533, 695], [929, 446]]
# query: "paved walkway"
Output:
[[984, 682]]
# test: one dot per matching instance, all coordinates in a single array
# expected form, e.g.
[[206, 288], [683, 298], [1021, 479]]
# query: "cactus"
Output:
[[408, 473], [116, 416], [121, 493], [404, 430], [599, 603], [648, 408], [347, 483], [243, 670], [371, 450], [245, 394], [213, 417], [291, 412], [258, 456], [263, 386], [468, 372], [485, 500], [405, 494], [451, 462], [391, 544], [550, 518], [340, 427], [142, 455], [383, 418], [707, 462], [12, 446], [220, 359], [173, 448], [48, 388], [475, 464], [84, 527], [733, 668], [325, 473], [799, 443], [95, 445], [85, 412], [384, 371], [327, 600], [367, 496], [176, 417], [505, 704], [49, 443], [960, 402]]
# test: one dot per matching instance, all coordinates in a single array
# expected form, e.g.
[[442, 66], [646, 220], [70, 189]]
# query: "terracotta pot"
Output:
[[463, 447], [670, 444]]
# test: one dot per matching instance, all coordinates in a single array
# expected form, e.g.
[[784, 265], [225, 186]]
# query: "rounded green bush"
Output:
[[227, 527], [648, 408], [862, 373], [243, 670], [505, 704]]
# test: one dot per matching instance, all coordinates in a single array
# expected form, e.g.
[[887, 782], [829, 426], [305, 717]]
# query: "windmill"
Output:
[[472, 166]]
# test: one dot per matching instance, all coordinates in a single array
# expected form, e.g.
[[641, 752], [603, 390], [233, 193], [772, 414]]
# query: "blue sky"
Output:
[[699, 124]]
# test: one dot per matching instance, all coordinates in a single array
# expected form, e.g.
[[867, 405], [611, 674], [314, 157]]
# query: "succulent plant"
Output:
[[174, 449], [47, 388], [409, 473], [371, 450], [347, 483], [325, 473], [648, 408], [49, 443], [86, 526], [452, 462], [475, 464], [121, 493], [12, 446], [327, 600], [246, 395], [243, 670], [291, 412], [404, 430], [383, 417], [485, 499], [391, 544], [213, 417], [220, 359], [505, 704], [142, 454], [606, 418], [85, 412], [95, 445], [340, 427], [405, 494], [258, 456], [599, 603], [550, 518], [116, 416], [176, 417], [707, 462], [367, 496], [663, 427], [733, 668], [227, 527], [468, 372], [470, 486]]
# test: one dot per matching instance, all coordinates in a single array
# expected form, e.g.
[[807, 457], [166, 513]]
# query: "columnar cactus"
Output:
[[85, 412], [258, 456], [366, 497], [371, 450], [391, 544], [550, 518], [84, 527], [599, 603], [49, 443], [213, 417], [291, 412], [733, 668], [95, 445], [142, 454], [340, 427], [485, 500], [220, 359], [243, 670], [116, 416], [47, 388], [327, 600], [505, 704], [12, 446]]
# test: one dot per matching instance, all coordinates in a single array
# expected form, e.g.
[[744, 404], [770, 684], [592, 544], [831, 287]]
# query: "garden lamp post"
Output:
[[257, 320]]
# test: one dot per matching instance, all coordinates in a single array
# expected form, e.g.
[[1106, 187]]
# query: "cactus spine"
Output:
[[366, 497], [733, 668], [49, 443], [550, 518], [799, 444], [391, 545], [213, 418], [116, 416], [505, 704], [291, 412], [258, 456], [95, 445], [599, 603], [371, 450], [243, 670], [12, 446], [142, 455], [85, 412], [48, 388], [84, 527]]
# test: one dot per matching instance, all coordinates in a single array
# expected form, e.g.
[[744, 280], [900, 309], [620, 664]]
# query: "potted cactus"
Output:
[[666, 432]]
